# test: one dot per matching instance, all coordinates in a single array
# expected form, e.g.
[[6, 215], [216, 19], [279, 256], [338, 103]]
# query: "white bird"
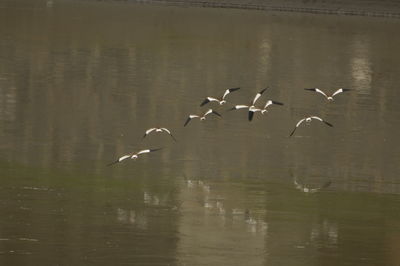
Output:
[[251, 107], [159, 130], [201, 117], [132, 156], [306, 189], [328, 97], [308, 121], [220, 100]]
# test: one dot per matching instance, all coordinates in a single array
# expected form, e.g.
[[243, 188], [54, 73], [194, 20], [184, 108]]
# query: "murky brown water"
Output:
[[80, 82]]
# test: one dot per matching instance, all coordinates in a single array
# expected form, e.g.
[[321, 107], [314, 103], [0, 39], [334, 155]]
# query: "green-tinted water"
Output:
[[80, 82]]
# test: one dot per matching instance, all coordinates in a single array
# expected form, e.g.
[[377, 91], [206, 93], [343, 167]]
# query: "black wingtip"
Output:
[[234, 89], [204, 102], [173, 137], [214, 112], [144, 136], [329, 124], [113, 163], [309, 89], [262, 91], [231, 109], [346, 89], [291, 134], [187, 121], [151, 150], [278, 103]]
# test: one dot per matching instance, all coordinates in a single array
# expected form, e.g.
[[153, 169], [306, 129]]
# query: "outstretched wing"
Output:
[[240, 106], [320, 119], [166, 130], [297, 125], [270, 102], [317, 90], [147, 151], [148, 131], [211, 111], [169, 132], [339, 91], [327, 123], [120, 159], [229, 91], [209, 99], [188, 120], [317, 117], [258, 95], [215, 113], [291, 134]]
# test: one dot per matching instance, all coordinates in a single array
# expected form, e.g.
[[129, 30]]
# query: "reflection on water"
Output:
[[212, 220], [361, 68], [78, 90]]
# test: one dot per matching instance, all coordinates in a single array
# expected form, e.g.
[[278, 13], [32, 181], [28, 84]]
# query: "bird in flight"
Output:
[[220, 100], [263, 110], [328, 97], [201, 117], [133, 156], [159, 130], [308, 121], [306, 189], [251, 107]]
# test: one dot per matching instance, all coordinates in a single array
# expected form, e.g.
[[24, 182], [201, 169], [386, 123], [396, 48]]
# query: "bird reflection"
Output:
[[304, 188], [131, 217], [324, 233], [214, 205]]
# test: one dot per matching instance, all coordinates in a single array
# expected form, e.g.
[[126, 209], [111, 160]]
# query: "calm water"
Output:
[[80, 82]]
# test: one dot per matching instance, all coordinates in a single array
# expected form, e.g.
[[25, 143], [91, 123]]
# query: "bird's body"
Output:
[[133, 156], [251, 107], [220, 100], [201, 117], [158, 130], [328, 97], [308, 120]]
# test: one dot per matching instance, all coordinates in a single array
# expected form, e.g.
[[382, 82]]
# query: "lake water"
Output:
[[80, 82]]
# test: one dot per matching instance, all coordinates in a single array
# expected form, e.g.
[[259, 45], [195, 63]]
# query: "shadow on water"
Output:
[[77, 91]]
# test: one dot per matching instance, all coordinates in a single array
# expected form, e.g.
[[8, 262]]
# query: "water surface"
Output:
[[80, 82]]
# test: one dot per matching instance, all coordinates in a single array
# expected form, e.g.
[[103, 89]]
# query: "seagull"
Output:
[[305, 189], [329, 98], [251, 107], [133, 156], [201, 117], [221, 100], [308, 120], [158, 129]]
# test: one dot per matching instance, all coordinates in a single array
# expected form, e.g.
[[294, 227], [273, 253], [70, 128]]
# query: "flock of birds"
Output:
[[252, 109]]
